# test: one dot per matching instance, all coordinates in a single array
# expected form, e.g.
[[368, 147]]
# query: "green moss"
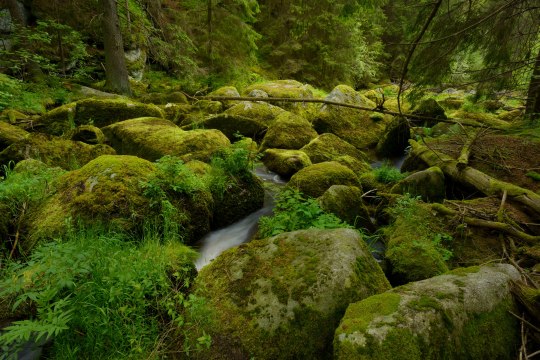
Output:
[[280, 297], [153, 138], [263, 112], [288, 131], [314, 180], [87, 134], [175, 97], [465, 271], [534, 175], [54, 151], [208, 106], [10, 134], [232, 125], [328, 147], [285, 162], [352, 125]]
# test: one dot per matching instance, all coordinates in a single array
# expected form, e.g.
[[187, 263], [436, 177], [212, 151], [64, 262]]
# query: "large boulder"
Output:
[[232, 125], [259, 111], [327, 147], [10, 134], [347, 204], [54, 151], [87, 134], [429, 108], [285, 162], [464, 314], [153, 138], [282, 297], [226, 91], [159, 98], [290, 89], [110, 189], [395, 139], [94, 111], [428, 184], [288, 131], [352, 125], [414, 242], [314, 180]]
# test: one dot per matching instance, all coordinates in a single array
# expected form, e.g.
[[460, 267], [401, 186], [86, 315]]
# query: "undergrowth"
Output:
[[388, 173], [294, 211], [97, 294]]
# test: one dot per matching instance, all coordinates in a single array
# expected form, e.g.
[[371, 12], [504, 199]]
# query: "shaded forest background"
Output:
[[486, 44]]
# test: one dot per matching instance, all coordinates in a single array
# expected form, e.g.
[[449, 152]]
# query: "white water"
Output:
[[240, 232]]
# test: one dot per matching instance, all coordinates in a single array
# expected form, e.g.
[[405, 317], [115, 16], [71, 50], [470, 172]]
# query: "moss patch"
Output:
[[153, 138], [328, 147], [288, 131], [285, 162], [314, 180]]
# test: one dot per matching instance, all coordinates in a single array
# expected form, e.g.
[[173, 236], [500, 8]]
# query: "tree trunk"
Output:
[[115, 63], [532, 107]]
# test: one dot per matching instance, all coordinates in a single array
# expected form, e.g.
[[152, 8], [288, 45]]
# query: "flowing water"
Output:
[[242, 231]]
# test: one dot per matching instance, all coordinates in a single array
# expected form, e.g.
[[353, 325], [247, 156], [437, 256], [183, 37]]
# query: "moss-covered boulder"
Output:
[[94, 111], [352, 125], [177, 113], [10, 134], [285, 163], [414, 243], [359, 167], [226, 91], [54, 151], [347, 204], [153, 138], [110, 189], [464, 314], [288, 131], [232, 125], [240, 199], [429, 108], [395, 139], [314, 180], [282, 297], [208, 106], [428, 184], [175, 97], [327, 147], [260, 111], [87, 134], [290, 89], [451, 103]]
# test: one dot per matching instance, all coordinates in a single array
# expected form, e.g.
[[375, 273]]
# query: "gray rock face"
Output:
[[281, 297], [459, 315]]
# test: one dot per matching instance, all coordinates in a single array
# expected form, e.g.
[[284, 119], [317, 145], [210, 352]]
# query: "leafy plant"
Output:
[[388, 174], [293, 211], [98, 293]]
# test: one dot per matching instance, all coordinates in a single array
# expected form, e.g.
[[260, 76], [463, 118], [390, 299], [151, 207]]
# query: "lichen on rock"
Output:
[[281, 298], [460, 315]]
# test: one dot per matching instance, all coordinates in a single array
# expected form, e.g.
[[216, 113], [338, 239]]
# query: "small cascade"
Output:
[[242, 231]]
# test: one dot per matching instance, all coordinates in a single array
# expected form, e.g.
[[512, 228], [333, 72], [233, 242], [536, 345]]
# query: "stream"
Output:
[[241, 231]]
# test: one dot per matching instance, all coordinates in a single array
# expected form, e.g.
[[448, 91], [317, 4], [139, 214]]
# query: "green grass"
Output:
[[100, 295]]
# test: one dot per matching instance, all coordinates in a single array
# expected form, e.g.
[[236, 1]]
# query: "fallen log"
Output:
[[475, 178], [463, 159], [495, 225]]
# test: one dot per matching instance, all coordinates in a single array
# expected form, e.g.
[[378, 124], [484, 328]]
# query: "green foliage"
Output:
[[173, 179], [388, 174], [293, 211], [51, 45], [33, 98], [534, 175], [98, 294], [231, 166]]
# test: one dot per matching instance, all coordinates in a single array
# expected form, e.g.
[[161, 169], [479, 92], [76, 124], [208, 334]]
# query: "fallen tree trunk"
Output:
[[464, 122], [463, 159], [495, 225], [475, 178]]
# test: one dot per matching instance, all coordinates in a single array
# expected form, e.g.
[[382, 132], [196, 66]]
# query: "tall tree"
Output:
[[115, 63]]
